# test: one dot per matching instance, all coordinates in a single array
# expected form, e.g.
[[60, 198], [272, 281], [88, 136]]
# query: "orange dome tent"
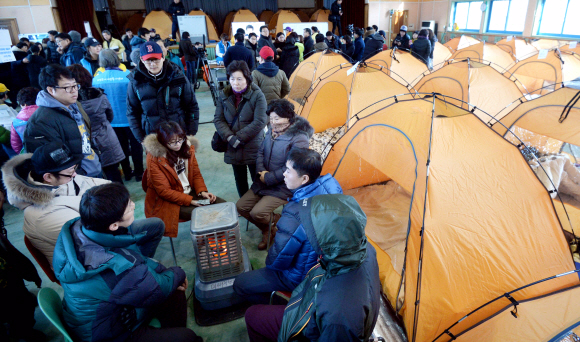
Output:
[[309, 70], [266, 16], [161, 21], [240, 16], [470, 83], [320, 16], [459, 220], [212, 32], [518, 48], [402, 66], [538, 74], [282, 16], [341, 92], [303, 16]]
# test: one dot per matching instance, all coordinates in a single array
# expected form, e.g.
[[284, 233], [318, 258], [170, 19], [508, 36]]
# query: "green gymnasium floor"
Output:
[[220, 181]]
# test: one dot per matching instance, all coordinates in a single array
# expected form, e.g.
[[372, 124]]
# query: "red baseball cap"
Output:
[[266, 52]]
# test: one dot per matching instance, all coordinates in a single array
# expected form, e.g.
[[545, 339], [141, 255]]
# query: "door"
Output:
[[398, 19], [12, 27]]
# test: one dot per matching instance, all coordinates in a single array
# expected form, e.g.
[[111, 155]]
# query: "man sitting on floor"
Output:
[[291, 255], [46, 187], [339, 299], [112, 289]]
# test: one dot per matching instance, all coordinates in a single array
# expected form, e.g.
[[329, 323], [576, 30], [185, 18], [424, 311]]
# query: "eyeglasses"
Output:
[[152, 61], [71, 175], [176, 143], [70, 88]]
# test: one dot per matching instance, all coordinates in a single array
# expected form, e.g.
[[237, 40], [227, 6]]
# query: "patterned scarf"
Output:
[[279, 129]]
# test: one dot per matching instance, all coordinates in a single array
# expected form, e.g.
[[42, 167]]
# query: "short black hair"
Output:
[[103, 205], [24, 39], [283, 108], [50, 75], [329, 34], [185, 35], [27, 96], [263, 27], [240, 66], [63, 35], [197, 43], [369, 28], [128, 29], [308, 30], [375, 27], [314, 29], [239, 37], [319, 38], [240, 30], [358, 32], [142, 31], [252, 35], [306, 162], [280, 34], [53, 32], [20, 45], [34, 48], [290, 40]]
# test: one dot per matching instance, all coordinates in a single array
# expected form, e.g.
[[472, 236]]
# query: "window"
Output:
[[467, 15], [559, 18], [507, 16]]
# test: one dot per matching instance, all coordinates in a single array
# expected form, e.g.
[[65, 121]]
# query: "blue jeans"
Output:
[[153, 229], [257, 286]]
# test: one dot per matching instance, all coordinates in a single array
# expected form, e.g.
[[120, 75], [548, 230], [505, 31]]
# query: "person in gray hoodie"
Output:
[[373, 44], [59, 118]]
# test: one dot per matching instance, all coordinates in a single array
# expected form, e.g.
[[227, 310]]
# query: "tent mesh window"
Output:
[[217, 243]]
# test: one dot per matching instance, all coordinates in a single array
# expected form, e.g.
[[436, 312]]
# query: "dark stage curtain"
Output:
[[353, 12], [218, 9], [73, 14]]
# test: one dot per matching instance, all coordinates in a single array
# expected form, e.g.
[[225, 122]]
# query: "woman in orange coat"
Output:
[[173, 181]]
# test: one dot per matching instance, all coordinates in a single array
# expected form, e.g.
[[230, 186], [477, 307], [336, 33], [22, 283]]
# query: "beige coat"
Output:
[[46, 208], [274, 88]]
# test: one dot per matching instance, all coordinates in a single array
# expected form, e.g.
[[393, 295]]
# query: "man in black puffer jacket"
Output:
[[159, 91], [266, 40], [308, 41], [373, 44]]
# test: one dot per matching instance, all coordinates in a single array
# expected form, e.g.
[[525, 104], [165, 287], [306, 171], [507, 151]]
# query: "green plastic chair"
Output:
[[51, 305]]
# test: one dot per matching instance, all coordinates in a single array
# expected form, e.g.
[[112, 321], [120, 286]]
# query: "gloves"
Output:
[[234, 141]]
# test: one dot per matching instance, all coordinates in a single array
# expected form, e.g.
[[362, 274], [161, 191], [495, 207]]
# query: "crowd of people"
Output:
[[86, 117]]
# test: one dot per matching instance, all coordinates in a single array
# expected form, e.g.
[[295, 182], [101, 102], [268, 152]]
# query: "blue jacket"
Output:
[[136, 43], [359, 48], [102, 276], [291, 252], [73, 55], [114, 82], [239, 52]]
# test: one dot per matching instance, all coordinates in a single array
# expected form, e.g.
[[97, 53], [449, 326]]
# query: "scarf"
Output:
[[279, 129], [238, 96]]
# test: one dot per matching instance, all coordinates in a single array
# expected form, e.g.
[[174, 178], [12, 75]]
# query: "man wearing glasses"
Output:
[[59, 118], [45, 185], [159, 92]]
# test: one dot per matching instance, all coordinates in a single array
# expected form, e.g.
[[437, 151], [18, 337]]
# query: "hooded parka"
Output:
[[164, 191]]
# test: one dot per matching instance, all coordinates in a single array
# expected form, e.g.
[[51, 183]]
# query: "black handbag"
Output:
[[218, 144]]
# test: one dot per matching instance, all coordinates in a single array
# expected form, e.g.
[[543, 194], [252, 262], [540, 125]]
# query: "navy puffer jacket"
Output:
[[291, 252], [104, 275]]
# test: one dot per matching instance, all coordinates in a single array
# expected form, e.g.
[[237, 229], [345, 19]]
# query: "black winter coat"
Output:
[[289, 58], [176, 9], [266, 41], [239, 52], [100, 112], [35, 64], [348, 49], [272, 158], [432, 41], [335, 10], [373, 44], [20, 78], [168, 97], [187, 50], [253, 48], [334, 44], [52, 57], [248, 129], [54, 124], [308, 45], [405, 42], [422, 49]]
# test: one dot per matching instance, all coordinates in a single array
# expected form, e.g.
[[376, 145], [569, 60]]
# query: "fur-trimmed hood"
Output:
[[21, 193], [154, 147], [300, 125]]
